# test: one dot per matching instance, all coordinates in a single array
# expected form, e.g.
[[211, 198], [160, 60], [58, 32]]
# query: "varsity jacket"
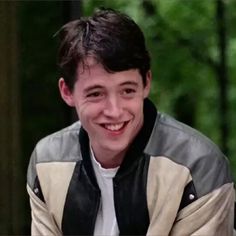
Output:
[[173, 181]]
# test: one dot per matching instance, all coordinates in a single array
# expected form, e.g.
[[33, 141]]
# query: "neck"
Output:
[[108, 159]]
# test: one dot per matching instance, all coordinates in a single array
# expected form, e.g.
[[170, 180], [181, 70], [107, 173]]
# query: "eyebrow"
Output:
[[129, 83], [92, 87]]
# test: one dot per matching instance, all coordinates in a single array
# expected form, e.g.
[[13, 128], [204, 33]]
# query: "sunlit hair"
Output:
[[109, 37]]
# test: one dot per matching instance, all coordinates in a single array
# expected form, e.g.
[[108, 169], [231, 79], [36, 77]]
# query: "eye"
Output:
[[128, 91], [94, 94]]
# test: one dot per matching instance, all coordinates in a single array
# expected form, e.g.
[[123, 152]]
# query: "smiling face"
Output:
[[110, 107]]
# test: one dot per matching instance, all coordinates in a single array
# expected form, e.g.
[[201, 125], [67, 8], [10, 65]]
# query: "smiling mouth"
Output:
[[115, 127]]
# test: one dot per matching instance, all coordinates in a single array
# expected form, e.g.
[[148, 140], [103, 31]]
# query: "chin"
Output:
[[115, 147]]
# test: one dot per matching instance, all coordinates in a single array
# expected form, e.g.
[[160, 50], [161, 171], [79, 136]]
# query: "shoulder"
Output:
[[174, 136], [186, 146], [62, 145]]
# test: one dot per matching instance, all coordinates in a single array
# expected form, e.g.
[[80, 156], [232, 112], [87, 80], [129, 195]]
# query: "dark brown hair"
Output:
[[110, 37]]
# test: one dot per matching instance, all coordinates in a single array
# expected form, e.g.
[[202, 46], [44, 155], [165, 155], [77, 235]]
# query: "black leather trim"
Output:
[[83, 197], [37, 189], [131, 181], [130, 200], [189, 195]]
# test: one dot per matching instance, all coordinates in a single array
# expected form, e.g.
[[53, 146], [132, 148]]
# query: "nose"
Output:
[[113, 107]]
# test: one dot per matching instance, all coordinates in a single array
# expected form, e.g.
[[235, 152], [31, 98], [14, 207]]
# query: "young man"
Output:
[[123, 168]]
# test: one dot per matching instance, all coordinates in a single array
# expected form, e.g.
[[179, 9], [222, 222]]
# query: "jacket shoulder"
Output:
[[186, 146], [62, 145]]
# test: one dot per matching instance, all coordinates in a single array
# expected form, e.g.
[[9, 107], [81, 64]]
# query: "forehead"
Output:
[[93, 72]]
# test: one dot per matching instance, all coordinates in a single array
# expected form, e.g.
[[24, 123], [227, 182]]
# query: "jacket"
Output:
[[173, 181]]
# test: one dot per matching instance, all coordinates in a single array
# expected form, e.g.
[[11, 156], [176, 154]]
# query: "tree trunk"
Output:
[[222, 74], [11, 196]]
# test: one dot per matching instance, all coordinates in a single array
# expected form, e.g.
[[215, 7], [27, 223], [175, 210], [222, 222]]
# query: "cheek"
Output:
[[137, 106], [87, 112], [137, 110]]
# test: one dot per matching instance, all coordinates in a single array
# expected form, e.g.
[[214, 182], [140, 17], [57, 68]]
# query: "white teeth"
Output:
[[114, 127]]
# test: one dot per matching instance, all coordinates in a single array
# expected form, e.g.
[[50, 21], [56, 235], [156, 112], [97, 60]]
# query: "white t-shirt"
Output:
[[106, 223]]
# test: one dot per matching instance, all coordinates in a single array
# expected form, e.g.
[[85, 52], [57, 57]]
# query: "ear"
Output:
[[148, 84], [65, 92]]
